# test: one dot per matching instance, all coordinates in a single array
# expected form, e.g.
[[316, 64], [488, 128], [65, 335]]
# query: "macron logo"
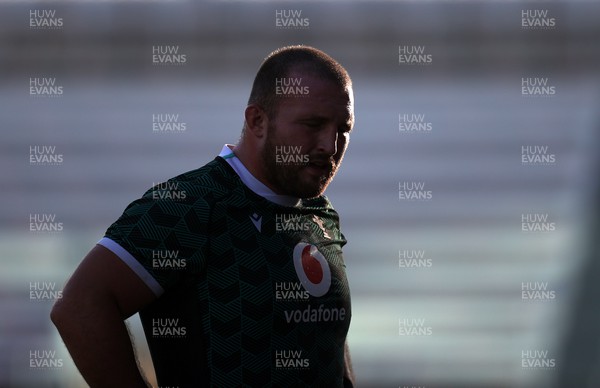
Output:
[[256, 220]]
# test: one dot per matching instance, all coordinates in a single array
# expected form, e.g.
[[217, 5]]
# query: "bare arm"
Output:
[[100, 295], [348, 372]]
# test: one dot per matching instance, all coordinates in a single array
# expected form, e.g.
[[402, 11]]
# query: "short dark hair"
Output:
[[281, 62]]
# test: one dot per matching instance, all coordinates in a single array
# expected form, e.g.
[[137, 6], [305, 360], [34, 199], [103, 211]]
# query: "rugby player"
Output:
[[235, 268]]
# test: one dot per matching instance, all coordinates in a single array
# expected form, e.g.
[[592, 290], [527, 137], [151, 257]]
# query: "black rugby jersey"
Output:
[[251, 293]]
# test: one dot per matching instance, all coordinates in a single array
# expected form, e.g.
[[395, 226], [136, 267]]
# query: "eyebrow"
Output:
[[315, 117]]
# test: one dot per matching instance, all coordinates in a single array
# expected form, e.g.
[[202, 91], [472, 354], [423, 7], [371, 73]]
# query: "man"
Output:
[[236, 268]]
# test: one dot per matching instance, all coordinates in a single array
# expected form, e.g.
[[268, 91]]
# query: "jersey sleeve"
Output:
[[161, 240]]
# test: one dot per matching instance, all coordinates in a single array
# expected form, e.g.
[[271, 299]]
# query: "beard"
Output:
[[307, 179]]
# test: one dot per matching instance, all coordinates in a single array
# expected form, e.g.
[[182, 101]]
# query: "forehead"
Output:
[[322, 96]]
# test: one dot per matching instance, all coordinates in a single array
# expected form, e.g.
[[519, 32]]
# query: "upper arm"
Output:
[[103, 279]]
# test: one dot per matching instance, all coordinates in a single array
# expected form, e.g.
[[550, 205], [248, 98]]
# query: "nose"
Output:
[[328, 141]]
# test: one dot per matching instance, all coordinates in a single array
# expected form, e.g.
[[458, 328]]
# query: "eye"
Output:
[[312, 124], [346, 129]]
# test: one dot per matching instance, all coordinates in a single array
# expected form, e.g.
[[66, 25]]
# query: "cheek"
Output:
[[284, 133]]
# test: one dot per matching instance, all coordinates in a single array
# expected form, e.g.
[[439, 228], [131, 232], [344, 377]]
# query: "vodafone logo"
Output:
[[312, 269]]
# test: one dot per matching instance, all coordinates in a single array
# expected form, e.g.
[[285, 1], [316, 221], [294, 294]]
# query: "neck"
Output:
[[250, 158]]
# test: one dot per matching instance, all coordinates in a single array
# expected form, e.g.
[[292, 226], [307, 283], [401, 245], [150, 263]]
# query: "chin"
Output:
[[305, 193], [304, 186], [316, 192], [313, 189]]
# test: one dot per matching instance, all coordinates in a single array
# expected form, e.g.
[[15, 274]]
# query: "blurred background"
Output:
[[485, 278]]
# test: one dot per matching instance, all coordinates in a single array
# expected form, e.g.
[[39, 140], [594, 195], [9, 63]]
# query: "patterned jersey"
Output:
[[250, 293]]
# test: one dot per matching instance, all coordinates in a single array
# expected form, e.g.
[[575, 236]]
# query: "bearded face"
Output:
[[297, 172], [306, 137]]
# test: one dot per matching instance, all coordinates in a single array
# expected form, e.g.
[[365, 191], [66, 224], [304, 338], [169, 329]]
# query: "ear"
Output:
[[257, 121]]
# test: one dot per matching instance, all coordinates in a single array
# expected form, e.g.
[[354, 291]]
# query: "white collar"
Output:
[[254, 184]]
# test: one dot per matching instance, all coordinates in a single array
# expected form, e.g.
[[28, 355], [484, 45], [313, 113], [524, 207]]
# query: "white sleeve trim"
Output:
[[132, 263]]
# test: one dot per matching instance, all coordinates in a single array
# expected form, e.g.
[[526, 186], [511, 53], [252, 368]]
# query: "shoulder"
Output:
[[204, 186], [215, 180], [190, 195]]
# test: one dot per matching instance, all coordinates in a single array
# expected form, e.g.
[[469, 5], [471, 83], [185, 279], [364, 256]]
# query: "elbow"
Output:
[[58, 314], [55, 313]]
